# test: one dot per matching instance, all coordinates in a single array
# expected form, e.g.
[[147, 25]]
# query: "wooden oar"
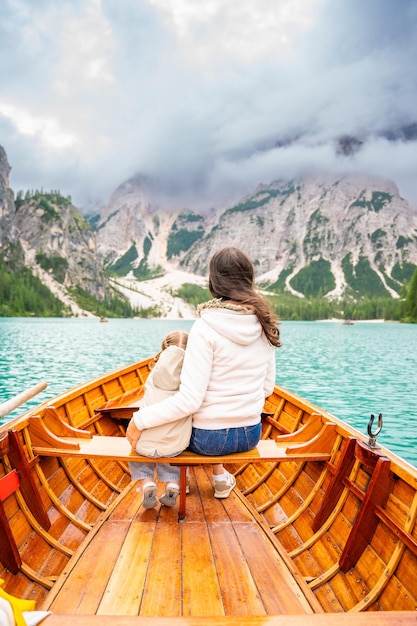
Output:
[[21, 398]]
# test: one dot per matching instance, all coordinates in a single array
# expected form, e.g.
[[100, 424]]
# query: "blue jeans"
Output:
[[225, 440]]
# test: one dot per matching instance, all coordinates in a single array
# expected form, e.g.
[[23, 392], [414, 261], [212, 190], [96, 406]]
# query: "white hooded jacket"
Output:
[[228, 370]]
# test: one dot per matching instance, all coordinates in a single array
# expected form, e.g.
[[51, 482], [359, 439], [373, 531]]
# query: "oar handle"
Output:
[[21, 398]]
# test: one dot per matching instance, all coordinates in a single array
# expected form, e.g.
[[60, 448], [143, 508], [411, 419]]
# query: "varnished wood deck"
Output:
[[378, 618], [219, 562]]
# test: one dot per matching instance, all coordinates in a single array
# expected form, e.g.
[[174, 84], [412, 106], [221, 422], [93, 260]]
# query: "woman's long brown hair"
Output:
[[232, 277]]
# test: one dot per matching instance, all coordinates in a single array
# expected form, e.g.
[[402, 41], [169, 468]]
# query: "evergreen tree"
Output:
[[412, 299]]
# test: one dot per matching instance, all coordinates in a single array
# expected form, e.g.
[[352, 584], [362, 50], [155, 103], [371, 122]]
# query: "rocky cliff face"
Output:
[[337, 232], [47, 234], [131, 221], [57, 238], [9, 236], [342, 223]]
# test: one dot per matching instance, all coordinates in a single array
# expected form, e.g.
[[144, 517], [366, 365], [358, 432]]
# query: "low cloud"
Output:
[[208, 103]]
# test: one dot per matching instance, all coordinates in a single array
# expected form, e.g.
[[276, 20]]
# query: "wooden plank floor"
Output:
[[143, 562], [377, 618]]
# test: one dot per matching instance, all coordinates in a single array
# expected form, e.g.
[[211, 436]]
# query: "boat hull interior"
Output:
[[297, 537]]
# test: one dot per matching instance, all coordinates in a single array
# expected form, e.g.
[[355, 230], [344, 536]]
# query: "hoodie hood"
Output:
[[167, 371], [236, 322]]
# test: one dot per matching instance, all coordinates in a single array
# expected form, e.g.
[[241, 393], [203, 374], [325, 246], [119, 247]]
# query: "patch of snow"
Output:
[[158, 293]]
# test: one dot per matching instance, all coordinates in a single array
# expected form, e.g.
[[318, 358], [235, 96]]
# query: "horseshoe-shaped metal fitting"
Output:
[[374, 435]]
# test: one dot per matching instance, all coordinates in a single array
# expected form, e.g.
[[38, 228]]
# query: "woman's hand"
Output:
[[133, 433]]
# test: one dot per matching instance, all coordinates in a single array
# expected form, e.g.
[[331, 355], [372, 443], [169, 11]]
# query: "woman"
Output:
[[228, 369]]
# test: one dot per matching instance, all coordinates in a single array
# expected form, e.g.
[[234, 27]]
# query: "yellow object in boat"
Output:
[[18, 606]]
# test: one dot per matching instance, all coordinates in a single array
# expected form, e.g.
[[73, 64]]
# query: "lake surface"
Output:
[[351, 371]]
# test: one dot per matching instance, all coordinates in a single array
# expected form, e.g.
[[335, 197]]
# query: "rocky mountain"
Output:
[[47, 234], [57, 237], [9, 235], [314, 236], [347, 237]]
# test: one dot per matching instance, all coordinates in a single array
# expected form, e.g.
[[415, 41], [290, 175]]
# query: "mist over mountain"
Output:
[[318, 236]]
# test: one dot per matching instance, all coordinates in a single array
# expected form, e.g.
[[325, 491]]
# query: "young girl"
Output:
[[168, 439]]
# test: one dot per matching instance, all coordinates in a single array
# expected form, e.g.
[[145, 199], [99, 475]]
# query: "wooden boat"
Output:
[[326, 527]]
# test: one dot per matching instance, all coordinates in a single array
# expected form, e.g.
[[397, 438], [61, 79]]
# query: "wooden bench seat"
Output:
[[124, 406], [46, 443], [119, 449]]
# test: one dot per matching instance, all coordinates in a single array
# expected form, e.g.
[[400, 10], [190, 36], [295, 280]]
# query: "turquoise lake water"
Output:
[[351, 371]]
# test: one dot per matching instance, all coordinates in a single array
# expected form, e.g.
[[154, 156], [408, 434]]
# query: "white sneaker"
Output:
[[223, 487], [171, 494], [149, 496]]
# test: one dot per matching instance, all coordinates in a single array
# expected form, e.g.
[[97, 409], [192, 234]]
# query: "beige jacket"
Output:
[[163, 381]]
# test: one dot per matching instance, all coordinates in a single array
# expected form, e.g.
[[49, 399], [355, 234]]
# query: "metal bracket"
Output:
[[374, 435]]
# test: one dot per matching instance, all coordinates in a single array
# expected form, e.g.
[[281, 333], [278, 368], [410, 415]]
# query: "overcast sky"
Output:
[[208, 98]]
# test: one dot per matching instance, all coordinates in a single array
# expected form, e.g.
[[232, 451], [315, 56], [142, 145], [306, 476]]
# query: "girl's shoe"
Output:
[[223, 488], [171, 494], [149, 496]]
